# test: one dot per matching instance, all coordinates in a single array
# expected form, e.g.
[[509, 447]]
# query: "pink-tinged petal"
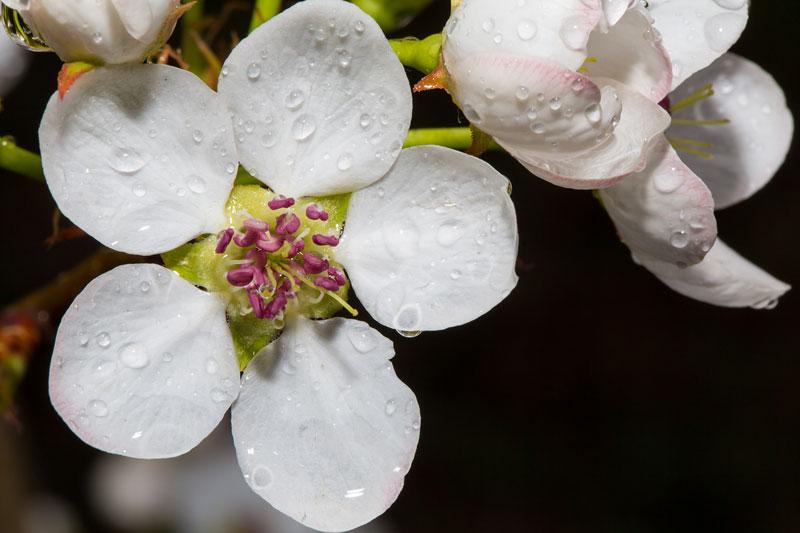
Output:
[[696, 32], [551, 30], [664, 212], [723, 278], [324, 429], [625, 152], [748, 151], [143, 363], [631, 53], [533, 103]]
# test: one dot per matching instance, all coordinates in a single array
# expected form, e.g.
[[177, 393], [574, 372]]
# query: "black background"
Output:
[[593, 399]]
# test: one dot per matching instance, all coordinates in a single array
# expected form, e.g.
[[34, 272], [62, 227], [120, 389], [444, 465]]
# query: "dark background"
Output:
[[593, 399]]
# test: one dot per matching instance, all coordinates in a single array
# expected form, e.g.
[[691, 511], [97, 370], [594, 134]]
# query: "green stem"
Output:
[[392, 15], [455, 138], [189, 49], [19, 160], [420, 55], [263, 11]]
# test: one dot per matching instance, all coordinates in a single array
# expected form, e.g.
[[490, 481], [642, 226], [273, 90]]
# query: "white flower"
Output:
[[143, 158], [13, 62], [100, 31], [569, 89], [665, 214]]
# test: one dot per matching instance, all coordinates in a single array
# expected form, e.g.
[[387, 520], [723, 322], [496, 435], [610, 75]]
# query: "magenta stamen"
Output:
[[287, 225], [257, 302], [337, 275], [270, 243], [241, 277], [297, 246], [276, 305], [248, 239], [325, 240], [256, 225], [326, 283], [315, 213], [314, 264], [280, 202], [224, 240], [258, 257]]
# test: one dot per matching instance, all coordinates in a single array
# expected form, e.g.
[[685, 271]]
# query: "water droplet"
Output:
[[488, 25], [355, 493], [295, 99], [230, 168], [455, 274], [269, 139], [261, 477], [345, 161], [98, 408], [83, 338], [391, 407], [594, 114], [197, 135], [197, 184], [573, 34], [126, 161], [97, 37], [526, 30], [679, 239], [211, 365], [359, 27], [304, 127], [668, 182], [167, 357], [103, 339], [555, 103], [134, 355], [408, 318], [144, 286], [523, 93], [449, 233], [471, 113], [219, 395], [722, 30], [362, 337], [254, 71], [138, 189], [344, 58], [137, 435], [409, 334], [365, 121]]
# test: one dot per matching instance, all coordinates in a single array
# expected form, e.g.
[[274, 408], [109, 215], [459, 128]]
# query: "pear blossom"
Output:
[[99, 31], [315, 105], [570, 88], [13, 62], [664, 214]]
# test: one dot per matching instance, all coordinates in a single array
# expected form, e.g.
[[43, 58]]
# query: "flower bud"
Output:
[[100, 31]]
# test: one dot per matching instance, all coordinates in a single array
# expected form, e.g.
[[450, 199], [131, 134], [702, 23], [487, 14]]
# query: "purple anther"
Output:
[[256, 225], [666, 104], [258, 257], [313, 264], [326, 283], [257, 302], [287, 224], [248, 239], [338, 275], [325, 240], [315, 213], [276, 305], [259, 278], [280, 202], [241, 277], [224, 240], [297, 246], [270, 243]]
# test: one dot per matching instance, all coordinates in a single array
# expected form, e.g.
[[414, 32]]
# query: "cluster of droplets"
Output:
[[276, 261]]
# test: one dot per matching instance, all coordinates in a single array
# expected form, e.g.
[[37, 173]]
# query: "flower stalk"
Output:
[[263, 11], [19, 160], [455, 138], [422, 55]]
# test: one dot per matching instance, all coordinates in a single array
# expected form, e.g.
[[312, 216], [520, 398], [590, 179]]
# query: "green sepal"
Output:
[[198, 263], [250, 336]]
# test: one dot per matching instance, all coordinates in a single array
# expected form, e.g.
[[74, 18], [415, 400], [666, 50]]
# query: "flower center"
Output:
[[283, 262]]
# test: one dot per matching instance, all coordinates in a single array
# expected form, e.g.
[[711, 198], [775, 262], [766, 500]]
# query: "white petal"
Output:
[[748, 151], [723, 278], [544, 29], [631, 53], [696, 32], [324, 430], [320, 102], [625, 152], [143, 20], [664, 212], [434, 244], [141, 157], [13, 62], [143, 364], [614, 10], [533, 103]]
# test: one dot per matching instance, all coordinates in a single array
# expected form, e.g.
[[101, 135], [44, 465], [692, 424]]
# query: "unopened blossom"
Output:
[[731, 141], [100, 31], [570, 88], [316, 106]]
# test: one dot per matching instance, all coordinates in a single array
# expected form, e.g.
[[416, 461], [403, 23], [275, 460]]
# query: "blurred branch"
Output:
[[189, 50], [263, 11], [420, 55], [392, 15], [19, 160], [24, 323]]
